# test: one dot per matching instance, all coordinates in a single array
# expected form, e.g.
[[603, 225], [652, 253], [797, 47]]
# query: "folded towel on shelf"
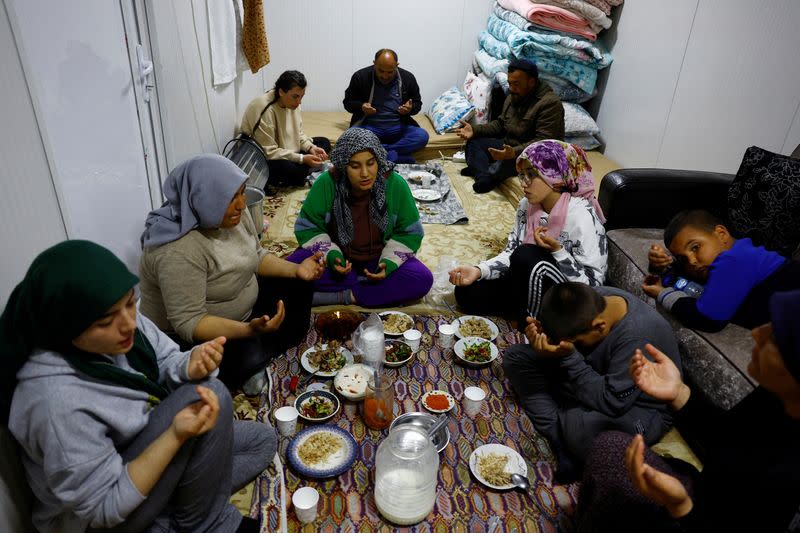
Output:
[[532, 43], [597, 20], [489, 65], [604, 5], [551, 17]]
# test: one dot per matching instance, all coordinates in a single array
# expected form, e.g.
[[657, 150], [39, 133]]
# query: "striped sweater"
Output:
[[403, 235]]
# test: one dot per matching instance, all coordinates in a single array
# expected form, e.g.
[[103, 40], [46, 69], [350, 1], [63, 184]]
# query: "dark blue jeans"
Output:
[[486, 168], [403, 140]]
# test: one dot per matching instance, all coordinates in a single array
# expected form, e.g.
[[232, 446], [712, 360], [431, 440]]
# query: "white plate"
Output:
[[337, 463], [426, 195], [447, 395], [309, 368], [417, 176], [515, 465], [492, 326], [351, 381], [387, 313], [390, 342], [462, 344]]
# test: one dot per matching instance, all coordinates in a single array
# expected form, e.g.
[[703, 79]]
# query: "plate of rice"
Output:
[[475, 326], [395, 322], [322, 451], [493, 464]]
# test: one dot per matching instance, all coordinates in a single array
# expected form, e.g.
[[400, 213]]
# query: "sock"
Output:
[[332, 298], [568, 470], [255, 384], [467, 171]]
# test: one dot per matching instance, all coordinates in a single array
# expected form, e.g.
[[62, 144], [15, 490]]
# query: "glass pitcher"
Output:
[[377, 409], [406, 468]]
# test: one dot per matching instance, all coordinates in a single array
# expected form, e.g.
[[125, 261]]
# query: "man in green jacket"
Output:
[[532, 112]]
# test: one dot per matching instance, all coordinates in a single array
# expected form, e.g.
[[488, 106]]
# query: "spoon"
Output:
[[520, 482], [440, 422]]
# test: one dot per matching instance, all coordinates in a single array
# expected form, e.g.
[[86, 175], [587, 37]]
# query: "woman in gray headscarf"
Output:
[[362, 216], [204, 273]]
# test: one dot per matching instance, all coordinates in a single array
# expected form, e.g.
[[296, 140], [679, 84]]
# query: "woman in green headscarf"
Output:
[[114, 432]]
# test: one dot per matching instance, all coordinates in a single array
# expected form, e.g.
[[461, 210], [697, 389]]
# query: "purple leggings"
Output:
[[411, 281]]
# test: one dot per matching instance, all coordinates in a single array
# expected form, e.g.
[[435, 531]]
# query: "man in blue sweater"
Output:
[[383, 98]]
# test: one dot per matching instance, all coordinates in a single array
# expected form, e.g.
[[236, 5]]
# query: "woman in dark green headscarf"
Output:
[[102, 404]]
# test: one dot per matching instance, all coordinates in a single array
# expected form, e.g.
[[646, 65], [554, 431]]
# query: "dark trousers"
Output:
[[549, 398], [283, 172], [193, 491], [245, 357], [486, 168], [517, 294]]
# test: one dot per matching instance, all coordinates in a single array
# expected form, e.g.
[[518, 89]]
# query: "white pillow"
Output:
[[448, 109], [577, 121], [479, 92]]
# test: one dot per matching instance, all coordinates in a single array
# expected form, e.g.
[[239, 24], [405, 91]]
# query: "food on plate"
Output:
[[317, 407], [438, 401], [479, 352], [492, 468], [398, 352], [319, 447], [328, 359], [475, 327], [352, 381], [396, 323]]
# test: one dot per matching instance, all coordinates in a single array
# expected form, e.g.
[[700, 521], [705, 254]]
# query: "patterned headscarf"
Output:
[[565, 166], [197, 192], [352, 141]]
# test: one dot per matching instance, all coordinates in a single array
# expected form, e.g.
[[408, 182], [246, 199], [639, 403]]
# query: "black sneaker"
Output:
[[467, 171], [483, 185]]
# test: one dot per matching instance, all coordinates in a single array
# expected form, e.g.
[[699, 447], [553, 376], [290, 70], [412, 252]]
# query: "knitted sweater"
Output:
[[402, 237], [279, 130], [584, 250], [205, 272]]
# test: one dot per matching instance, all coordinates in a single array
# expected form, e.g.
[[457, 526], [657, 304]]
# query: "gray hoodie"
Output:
[[71, 427]]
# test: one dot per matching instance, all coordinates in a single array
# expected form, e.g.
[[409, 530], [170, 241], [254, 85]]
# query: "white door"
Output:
[[96, 127]]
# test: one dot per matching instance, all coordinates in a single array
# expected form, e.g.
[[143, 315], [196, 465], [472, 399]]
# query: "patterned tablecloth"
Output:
[[347, 502], [447, 209]]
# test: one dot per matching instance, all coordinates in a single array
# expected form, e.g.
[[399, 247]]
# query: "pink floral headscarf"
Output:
[[562, 165]]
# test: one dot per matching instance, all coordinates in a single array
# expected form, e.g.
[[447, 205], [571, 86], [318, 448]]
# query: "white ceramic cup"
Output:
[[426, 181], [412, 338], [305, 504], [473, 399], [286, 417], [447, 333]]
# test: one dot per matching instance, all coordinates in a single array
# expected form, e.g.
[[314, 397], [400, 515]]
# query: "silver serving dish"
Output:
[[423, 421]]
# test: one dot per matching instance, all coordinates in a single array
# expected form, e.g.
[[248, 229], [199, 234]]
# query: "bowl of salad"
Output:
[[476, 351], [317, 405], [397, 353]]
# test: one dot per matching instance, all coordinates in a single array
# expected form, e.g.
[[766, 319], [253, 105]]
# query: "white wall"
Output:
[[327, 40], [79, 76], [695, 82], [28, 206]]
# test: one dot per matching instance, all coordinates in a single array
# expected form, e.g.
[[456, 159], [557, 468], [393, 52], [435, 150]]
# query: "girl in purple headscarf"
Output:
[[558, 236]]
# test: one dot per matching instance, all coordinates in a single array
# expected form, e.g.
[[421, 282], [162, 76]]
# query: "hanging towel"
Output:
[[254, 35], [222, 35]]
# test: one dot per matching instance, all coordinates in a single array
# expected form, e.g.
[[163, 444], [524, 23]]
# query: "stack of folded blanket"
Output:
[[560, 36]]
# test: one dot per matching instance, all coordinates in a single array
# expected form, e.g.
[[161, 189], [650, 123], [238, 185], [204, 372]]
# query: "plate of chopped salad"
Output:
[[326, 359], [317, 405], [397, 353], [476, 351]]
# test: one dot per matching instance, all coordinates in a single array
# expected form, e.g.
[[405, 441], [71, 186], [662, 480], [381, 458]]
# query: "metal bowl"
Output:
[[423, 421]]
